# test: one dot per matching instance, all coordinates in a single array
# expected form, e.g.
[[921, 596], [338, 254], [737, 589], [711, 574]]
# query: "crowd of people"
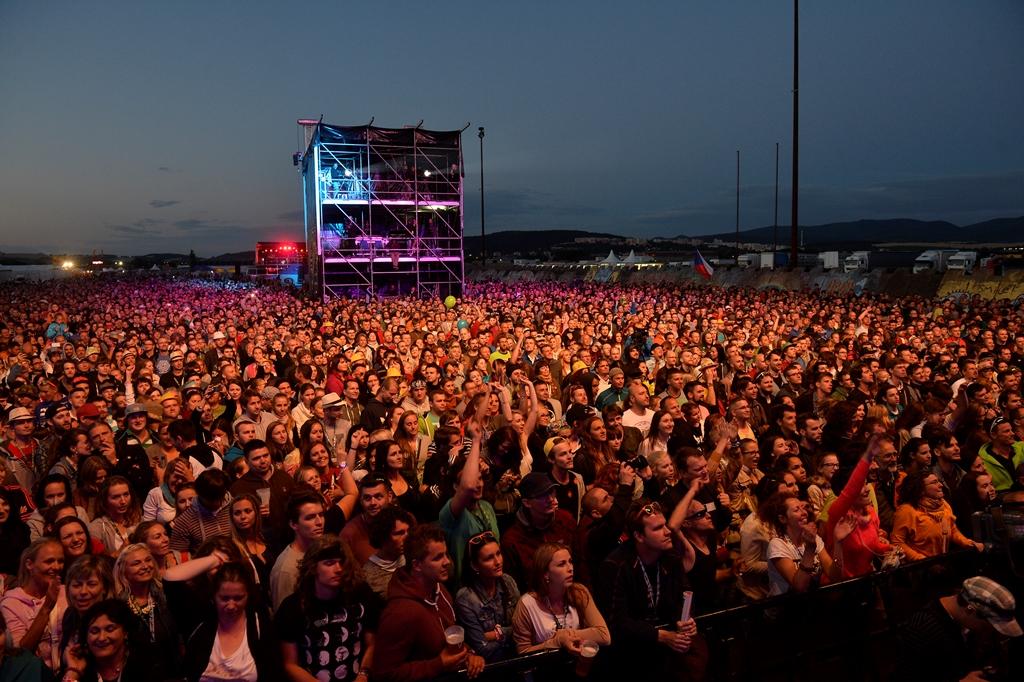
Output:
[[218, 481]]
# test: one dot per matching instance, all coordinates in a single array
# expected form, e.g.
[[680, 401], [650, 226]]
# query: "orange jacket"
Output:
[[921, 534]]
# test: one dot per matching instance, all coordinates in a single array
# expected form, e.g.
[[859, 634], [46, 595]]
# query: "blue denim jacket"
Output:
[[479, 614]]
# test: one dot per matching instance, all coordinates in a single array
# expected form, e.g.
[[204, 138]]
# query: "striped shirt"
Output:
[[196, 525]]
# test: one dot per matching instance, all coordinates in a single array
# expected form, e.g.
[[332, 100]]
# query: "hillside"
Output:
[[1000, 230]]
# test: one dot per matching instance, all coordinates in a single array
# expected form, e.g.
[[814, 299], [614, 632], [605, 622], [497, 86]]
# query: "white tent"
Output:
[[611, 259]]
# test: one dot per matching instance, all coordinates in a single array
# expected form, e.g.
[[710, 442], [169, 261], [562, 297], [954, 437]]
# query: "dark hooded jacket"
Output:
[[411, 635]]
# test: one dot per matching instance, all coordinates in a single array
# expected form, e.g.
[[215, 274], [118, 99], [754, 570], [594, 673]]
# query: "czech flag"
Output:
[[702, 267]]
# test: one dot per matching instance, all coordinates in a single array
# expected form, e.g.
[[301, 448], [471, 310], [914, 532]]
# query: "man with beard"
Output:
[[59, 419], [376, 411]]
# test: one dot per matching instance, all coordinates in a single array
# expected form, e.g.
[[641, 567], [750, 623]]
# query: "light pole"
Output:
[[737, 202], [483, 234], [795, 226], [775, 228]]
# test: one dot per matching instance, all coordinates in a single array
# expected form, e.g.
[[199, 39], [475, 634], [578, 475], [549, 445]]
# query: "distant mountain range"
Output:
[[562, 244], [525, 241], [898, 230]]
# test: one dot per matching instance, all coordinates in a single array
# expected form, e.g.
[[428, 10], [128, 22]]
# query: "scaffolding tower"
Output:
[[383, 211]]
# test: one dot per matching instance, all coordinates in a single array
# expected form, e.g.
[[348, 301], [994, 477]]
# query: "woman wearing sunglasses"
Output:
[[488, 599], [699, 531]]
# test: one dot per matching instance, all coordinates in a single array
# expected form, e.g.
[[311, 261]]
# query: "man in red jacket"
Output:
[[539, 520], [411, 642]]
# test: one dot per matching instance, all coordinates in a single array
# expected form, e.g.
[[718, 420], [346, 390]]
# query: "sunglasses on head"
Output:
[[482, 538], [650, 509]]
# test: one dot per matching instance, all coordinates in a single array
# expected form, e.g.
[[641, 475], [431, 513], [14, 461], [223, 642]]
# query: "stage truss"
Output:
[[383, 211]]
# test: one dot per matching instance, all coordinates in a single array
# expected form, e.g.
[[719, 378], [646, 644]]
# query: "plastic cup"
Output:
[[588, 650], [455, 636], [264, 494]]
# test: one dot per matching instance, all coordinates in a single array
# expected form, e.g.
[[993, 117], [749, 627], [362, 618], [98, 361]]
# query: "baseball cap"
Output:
[[419, 383], [994, 603], [536, 484], [54, 408], [135, 408], [550, 444]]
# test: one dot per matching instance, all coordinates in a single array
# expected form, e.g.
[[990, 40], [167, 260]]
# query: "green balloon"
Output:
[[449, 302]]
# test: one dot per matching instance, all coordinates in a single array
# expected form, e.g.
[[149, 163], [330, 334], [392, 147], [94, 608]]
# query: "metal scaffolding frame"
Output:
[[383, 211]]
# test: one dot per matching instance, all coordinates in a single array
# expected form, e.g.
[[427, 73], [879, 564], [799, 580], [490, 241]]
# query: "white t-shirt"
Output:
[[630, 418], [782, 547], [284, 575], [238, 667], [544, 625]]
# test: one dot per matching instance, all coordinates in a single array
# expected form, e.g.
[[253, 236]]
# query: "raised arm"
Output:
[[518, 350], [349, 492], [505, 400], [194, 567], [851, 491], [675, 522], [531, 416], [470, 471], [710, 374]]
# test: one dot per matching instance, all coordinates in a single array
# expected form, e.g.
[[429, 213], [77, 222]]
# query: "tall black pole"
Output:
[[737, 201], [775, 228], [483, 234], [794, 237]]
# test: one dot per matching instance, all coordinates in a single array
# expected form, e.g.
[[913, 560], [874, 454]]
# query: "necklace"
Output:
[[118, 669], [564, 623], [144, 611]]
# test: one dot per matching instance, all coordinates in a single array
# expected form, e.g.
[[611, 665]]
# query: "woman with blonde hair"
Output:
[[35, 609], [154, 535], [557, 613], [137, 582]]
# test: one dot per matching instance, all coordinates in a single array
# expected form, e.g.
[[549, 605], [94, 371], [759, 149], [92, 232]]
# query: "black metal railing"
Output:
[[840, 631]]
